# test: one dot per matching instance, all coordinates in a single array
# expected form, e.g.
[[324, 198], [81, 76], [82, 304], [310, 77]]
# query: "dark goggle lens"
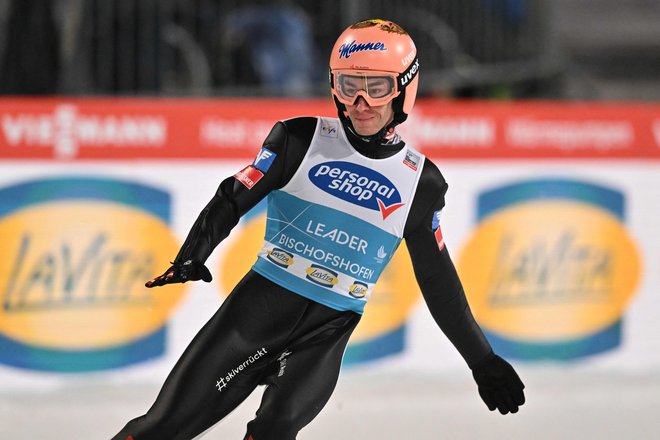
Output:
[[375, 86]]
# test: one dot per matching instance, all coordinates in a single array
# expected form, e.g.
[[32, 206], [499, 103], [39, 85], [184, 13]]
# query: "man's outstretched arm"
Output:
[[273, 167]]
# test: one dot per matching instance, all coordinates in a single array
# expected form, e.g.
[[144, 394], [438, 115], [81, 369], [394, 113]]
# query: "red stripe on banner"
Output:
[[163, 129], [69, 129], [534, 130]]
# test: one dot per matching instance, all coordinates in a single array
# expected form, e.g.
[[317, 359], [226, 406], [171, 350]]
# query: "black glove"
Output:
[[182, 272], [499, 384]]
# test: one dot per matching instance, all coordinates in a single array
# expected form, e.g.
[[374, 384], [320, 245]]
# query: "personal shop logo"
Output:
[[358, 185]]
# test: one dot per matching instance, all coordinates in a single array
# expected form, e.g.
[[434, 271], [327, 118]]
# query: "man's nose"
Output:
[[361, 104]]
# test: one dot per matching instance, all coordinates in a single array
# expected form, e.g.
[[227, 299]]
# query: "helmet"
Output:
[[377, 60]]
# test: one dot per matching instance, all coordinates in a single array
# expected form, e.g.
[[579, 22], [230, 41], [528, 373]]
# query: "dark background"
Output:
[[492, 49]]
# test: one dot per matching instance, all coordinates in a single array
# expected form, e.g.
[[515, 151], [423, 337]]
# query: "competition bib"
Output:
[[333, 228]]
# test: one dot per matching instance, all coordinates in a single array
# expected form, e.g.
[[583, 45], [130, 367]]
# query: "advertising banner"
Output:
[[230, 128], [555, 241], [551, 268]]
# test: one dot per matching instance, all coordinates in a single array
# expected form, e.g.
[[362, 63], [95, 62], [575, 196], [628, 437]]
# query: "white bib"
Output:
[[333, 228]]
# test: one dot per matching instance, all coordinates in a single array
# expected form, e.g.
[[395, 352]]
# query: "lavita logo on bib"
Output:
[[358, 185]]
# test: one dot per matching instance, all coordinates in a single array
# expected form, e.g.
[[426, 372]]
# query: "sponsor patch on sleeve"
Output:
[[435, 226], [249, 176], [264, 160]]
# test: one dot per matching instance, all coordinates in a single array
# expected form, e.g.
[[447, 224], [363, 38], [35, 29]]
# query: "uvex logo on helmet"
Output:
[[358, 185], [409, 74]]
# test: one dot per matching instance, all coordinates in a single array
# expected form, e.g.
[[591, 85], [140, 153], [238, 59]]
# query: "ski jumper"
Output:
[[337, 210]]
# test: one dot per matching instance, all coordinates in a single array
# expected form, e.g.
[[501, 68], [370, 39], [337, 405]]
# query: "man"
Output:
[[342, 194]]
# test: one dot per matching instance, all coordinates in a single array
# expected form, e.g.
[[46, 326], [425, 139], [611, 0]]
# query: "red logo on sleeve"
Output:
[[249, 176], [435, 226], [439, 239]]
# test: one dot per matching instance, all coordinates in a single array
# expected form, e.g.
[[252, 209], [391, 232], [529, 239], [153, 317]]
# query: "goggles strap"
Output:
[[409, 74]]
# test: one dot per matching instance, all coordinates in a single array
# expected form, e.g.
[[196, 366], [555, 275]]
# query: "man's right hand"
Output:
[[182, 272]]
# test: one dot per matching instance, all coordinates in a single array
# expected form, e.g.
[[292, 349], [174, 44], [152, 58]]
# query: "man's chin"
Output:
[[365, 131]]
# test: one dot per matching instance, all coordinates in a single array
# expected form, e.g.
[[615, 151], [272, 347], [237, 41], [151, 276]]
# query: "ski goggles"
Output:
[[377, 88]]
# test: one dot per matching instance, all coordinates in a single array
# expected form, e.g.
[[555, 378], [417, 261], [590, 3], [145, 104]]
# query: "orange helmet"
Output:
[[377, 60]]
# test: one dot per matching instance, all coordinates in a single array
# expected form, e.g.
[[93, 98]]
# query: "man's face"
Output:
[[368, 120]]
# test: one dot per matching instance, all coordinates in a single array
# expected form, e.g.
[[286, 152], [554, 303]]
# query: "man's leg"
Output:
[[222, 365], [301, 385]]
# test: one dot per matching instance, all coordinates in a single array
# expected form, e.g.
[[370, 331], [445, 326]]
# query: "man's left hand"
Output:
[[499, 384]]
